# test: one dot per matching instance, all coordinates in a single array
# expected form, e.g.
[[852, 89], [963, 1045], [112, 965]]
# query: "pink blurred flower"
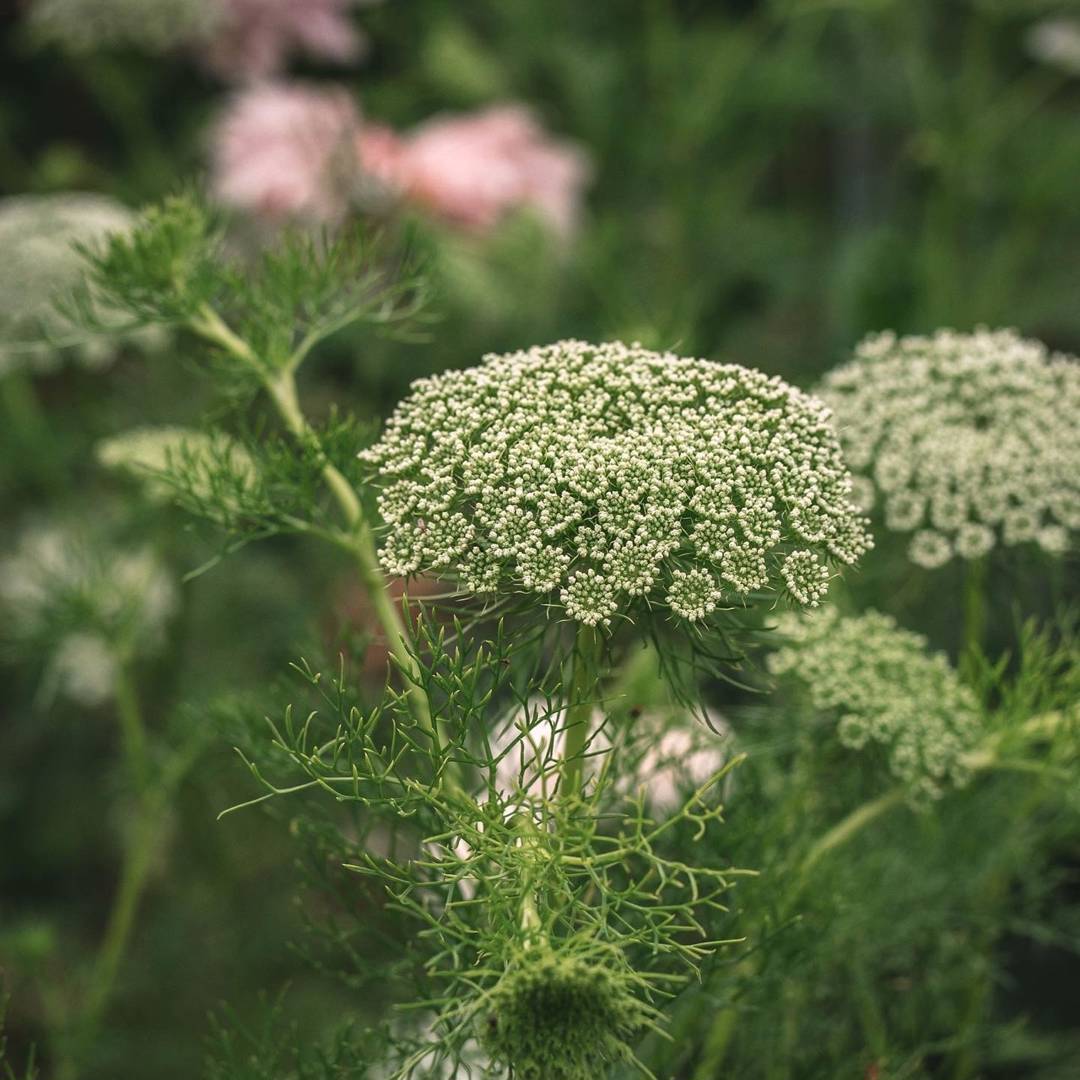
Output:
[[286, 151], [471, 169], [255, 38]]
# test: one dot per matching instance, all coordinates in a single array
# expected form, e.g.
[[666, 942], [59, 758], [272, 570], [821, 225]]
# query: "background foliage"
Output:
[[771, 181]]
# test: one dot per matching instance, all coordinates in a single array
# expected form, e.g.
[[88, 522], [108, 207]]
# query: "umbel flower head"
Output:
[[155, 26], [609, 475], [564, 1014], [83, 606], [963, 440], [37, 234], [885, 687]]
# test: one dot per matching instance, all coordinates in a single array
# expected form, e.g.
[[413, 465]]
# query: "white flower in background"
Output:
[[155, 26], [669, 755], [969, 440], [84, 668], [609, 475], [1056, 42], [208, 465], [884, 687], [83, 609], [40, 265]]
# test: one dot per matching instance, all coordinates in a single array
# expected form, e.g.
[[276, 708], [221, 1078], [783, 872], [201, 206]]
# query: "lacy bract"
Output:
[[963, 440], [607, 474]]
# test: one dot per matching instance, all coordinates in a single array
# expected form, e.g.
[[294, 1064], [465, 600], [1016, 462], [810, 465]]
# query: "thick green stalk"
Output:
[[584, 686], [281, 386]]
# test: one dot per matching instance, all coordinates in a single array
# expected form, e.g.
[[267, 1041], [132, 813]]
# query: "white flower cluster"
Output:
[[40, 264], [887, 688], [86, 607], [963, 440], [197, 460], [607, 473], [1056, 41], [156, 26]]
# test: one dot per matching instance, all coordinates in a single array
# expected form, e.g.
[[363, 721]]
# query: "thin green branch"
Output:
[[281, 387], [583, 693]]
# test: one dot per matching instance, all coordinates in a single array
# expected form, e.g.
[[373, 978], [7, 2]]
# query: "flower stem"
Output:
[[855, 821], [983, 759], [29, 431], [975, 577], [584, 683], [132, 730], [281, 386], [137, 860]]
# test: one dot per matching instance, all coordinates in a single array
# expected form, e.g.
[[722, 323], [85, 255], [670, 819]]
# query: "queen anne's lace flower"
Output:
[[154, 26], [1056, 41], [884, 687], [40, 265], [85, 608], [968, 439], [610, 473]]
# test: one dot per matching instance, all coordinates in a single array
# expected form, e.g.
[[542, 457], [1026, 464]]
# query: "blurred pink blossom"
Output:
[[254, 38], [471, 169], [285, 150]]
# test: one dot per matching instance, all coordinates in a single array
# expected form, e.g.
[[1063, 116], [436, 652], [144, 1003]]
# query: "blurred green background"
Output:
[[771, 180]]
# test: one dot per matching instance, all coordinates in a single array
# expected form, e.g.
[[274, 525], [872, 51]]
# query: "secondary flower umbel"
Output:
[[610, 475], [964, 439], [885, 687]]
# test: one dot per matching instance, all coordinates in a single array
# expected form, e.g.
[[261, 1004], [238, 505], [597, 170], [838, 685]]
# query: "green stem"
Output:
[[132, 730], [34, 448], [857, 820], [584, 684], [716, 1045], [981, 760], [281, 386], [137, 861], [975, 576]]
